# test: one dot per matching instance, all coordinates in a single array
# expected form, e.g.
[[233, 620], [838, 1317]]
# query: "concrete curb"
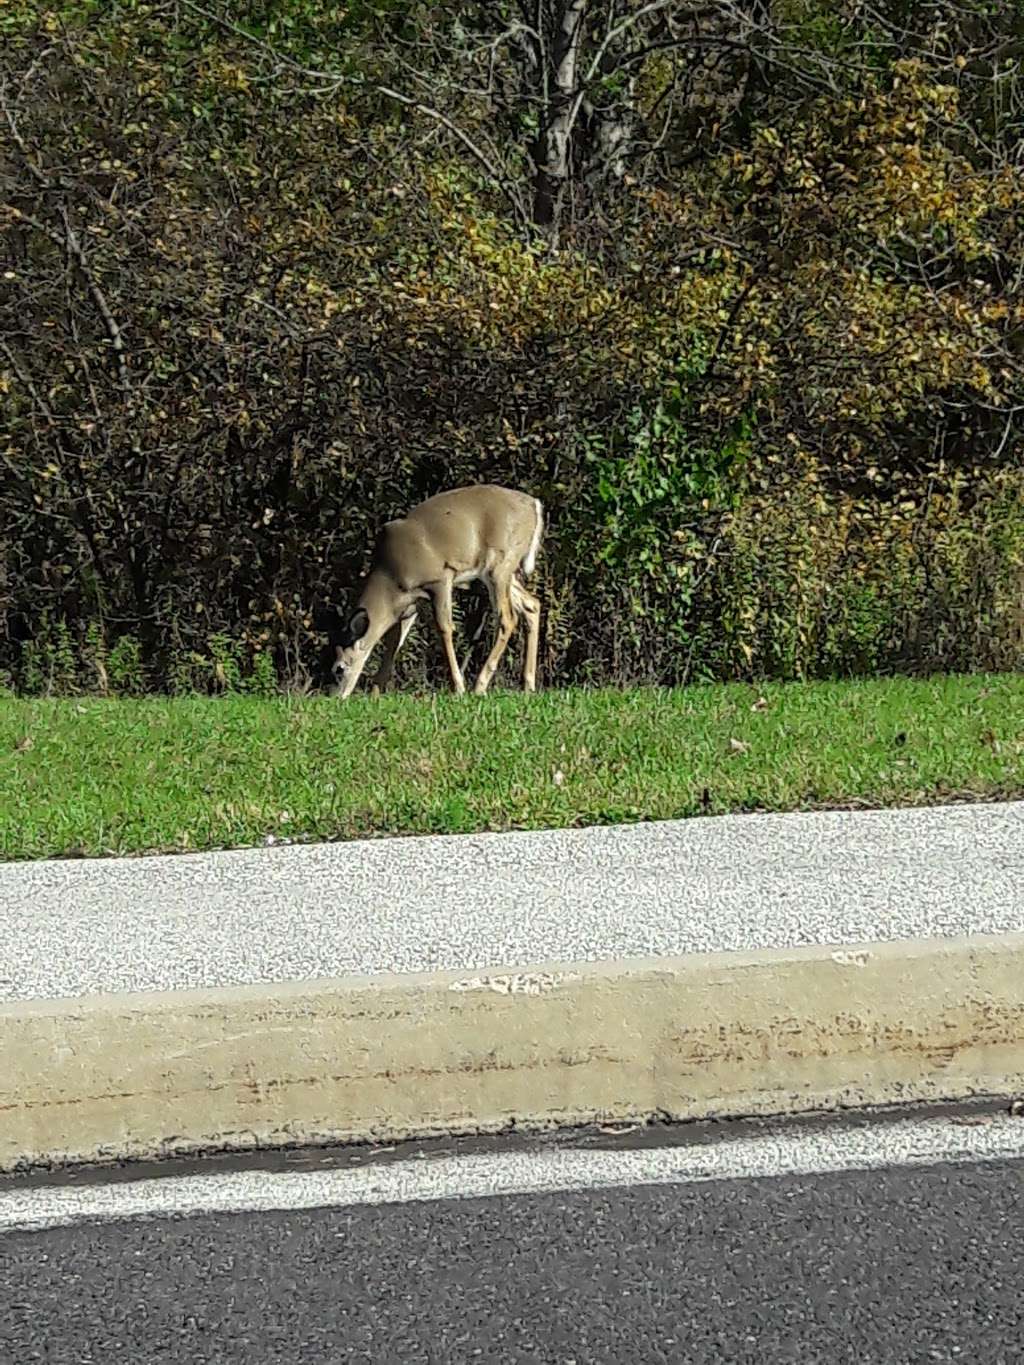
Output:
[[387, 1057]]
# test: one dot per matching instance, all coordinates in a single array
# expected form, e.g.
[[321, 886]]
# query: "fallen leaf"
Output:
[[24, 743], [760, 705], [558, 777], [738, 746], [989, 738]]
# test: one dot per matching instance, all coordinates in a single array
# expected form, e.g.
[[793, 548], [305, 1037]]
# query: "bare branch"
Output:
[[70, 241], [493, 171], [613, 33], [335, 80]]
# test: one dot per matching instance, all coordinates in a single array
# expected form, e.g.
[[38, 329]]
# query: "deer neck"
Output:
[[383, 601]]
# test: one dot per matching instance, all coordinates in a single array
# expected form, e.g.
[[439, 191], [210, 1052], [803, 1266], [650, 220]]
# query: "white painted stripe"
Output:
[[544, 1171]]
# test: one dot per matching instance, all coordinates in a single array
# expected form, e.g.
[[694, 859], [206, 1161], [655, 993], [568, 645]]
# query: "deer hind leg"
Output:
[[501, 596], [441, 595], [474, 640], [393, 641], [528, 606]]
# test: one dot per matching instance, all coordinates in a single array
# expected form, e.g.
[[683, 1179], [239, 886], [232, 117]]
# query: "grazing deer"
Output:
[[482, 533]]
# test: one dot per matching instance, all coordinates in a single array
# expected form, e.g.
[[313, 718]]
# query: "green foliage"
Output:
[[657, 489], [262, 680], [188, 673], [94, 658], [125, 668], [767, 380], [49, 667], [225, 661]]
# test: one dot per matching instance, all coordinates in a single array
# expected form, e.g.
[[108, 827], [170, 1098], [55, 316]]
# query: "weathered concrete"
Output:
[[772, 1031], [470, 903]]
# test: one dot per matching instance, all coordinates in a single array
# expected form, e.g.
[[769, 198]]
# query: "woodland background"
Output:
[[736, 288]]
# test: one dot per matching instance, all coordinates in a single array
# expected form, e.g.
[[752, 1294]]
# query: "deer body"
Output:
[[480, 533]]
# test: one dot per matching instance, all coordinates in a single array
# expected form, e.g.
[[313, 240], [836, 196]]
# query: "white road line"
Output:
[[909, 1143]]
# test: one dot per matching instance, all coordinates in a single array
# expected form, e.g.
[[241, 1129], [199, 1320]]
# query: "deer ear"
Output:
[[359, 624]]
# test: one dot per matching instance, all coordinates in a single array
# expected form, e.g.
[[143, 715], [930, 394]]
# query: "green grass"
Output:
[[112, 777]]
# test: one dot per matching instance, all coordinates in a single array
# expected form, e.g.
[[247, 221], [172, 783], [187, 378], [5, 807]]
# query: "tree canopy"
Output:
[[735, 287]]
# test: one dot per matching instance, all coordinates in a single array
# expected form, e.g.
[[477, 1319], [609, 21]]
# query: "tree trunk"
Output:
[[551, 157]]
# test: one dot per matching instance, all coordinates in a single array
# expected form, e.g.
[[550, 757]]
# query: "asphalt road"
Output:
[[918, 1263], [475, 902]]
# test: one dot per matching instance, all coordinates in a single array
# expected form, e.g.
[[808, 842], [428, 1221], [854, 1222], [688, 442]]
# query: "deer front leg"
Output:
[[351, 659], [441, 595], [350, 677]]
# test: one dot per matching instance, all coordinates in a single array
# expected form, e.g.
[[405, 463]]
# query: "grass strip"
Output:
[[99, 777]]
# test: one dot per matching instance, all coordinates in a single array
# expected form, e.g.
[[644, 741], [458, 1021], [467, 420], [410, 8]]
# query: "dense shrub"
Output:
[[763, 363]]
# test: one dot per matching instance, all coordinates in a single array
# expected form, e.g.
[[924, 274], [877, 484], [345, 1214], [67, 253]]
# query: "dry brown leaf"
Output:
[[738, 746], [989, 738]]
